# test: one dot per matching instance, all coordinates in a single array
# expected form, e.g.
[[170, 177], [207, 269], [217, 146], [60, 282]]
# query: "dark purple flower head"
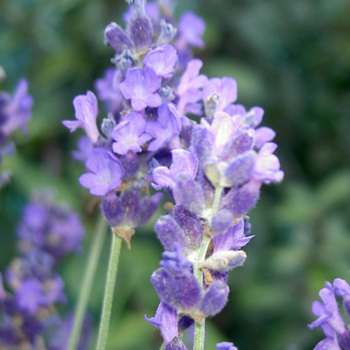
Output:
[[106, 172], [86, 111], [15, 112], [191, 29], [127, 211], [162, 60], [129, 134], [166, 129], [140, 85], [226, 346]]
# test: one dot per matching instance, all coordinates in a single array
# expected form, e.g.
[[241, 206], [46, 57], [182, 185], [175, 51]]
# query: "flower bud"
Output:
[[169, 232], [225, 260], [117, 38], [222, 221], [190, 224], [215, 298], [141, 31], [112, 209]]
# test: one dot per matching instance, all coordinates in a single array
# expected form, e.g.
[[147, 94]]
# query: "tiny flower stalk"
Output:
[[109, 292]]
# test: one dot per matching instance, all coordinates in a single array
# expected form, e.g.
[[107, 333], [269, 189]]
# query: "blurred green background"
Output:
[[290, 57]]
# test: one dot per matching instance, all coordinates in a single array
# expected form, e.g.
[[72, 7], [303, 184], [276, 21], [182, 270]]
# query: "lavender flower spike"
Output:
[[86, 111]]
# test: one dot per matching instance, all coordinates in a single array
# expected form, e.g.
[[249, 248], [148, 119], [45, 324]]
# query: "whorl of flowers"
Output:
[[174, 128], [46, 234]]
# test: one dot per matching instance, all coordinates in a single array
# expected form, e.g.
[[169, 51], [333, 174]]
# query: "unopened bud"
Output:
[[225, 260]]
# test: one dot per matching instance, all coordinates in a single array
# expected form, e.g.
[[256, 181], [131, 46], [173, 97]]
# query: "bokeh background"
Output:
[[290, 57]]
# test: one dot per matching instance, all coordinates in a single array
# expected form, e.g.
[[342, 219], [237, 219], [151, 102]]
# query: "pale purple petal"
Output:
[[263, 135], [162, 60], [129, 134], [140, 86], [106, 172], [86, 111]]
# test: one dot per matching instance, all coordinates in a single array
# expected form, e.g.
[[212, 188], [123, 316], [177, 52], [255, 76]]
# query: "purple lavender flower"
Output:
[[129, 134], [106, 172], [189, 88], [329, 319], [50, 228], [140, 85], [166, 320], [84, 149], [127, 211], [86, 111], [191, 29], [108, 89], [225, 89], [162, 60], [34, 287], [16, 111], [166, 129], [182, 162]]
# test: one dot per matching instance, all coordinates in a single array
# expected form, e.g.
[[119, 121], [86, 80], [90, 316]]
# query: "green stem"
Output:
[[109, 292], [199, 328], [199, 335], [84, 293]]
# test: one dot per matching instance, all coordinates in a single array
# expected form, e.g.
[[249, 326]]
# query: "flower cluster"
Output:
[[329, 319], [178, 130], [146, 106], [15, 112], [46, 233]]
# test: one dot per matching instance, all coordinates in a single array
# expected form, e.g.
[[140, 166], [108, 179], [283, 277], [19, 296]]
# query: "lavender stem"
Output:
[[109, 292], [92, 261]]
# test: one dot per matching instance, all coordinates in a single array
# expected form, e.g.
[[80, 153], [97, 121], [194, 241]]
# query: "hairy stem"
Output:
[[85, 289], [199, 328], [109, 292]]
